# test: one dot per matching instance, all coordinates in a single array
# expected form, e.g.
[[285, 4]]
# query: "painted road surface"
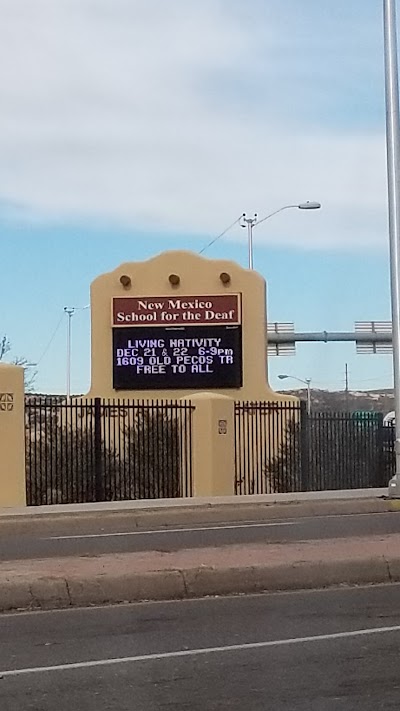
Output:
[[313, 651], [94, 536]]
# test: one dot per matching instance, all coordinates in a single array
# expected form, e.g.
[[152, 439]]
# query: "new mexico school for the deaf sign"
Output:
[[177, 342], [180, 310]]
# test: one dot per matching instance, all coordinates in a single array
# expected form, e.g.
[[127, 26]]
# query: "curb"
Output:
[[51, 593], [206, 513], [146, 506]]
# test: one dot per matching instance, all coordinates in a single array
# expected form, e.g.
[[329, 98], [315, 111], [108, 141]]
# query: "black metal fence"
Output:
[[280, 448], [110, 450], [107, 450]]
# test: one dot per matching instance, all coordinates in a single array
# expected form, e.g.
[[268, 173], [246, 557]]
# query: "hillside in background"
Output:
[[330, 401], [321, 400]]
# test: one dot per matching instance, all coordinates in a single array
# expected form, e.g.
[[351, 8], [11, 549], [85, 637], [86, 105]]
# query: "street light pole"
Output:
[[307, 382], [251, 222], [393, 179], [70, 312]]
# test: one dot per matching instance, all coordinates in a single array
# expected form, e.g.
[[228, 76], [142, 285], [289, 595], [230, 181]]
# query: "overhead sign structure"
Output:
[[174, 343], [285, 347], [367, 334], [370, 337]]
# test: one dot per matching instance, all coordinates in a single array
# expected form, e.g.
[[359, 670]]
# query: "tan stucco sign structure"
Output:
[[176, 325]]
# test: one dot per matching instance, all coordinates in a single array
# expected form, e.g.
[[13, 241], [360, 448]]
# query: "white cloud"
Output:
[[144, 113]]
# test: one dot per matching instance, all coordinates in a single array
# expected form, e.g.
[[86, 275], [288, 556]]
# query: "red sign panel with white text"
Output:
[[221, 309]]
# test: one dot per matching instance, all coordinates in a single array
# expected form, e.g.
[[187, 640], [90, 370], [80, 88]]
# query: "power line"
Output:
[[213, 241], [51, 339], [74, 308]]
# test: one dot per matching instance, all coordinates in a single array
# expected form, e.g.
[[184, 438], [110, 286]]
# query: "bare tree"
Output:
[[30, 375], [5, 346]]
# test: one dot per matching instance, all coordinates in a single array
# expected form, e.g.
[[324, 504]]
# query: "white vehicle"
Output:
[[389, 419]]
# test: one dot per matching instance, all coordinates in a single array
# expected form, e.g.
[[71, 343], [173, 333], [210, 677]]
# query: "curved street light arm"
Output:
[[285, 207], [294, 377]]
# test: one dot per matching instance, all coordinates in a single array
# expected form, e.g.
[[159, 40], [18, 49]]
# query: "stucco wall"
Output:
[[197, 275]]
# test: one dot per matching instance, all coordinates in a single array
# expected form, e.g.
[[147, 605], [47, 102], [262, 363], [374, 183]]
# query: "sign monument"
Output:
[[178, 324]]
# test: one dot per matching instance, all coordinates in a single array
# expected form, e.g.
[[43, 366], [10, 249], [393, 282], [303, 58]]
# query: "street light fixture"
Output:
[[251, 222], [306, 382]]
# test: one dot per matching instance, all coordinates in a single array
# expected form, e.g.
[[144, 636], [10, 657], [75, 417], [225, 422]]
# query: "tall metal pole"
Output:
[[347, 387], [250, 242], [393, 177], [308, 381], [69, 313], [250, 222]]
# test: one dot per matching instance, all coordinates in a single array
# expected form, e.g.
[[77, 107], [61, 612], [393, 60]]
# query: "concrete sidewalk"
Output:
[[237, 569], [132, 506]]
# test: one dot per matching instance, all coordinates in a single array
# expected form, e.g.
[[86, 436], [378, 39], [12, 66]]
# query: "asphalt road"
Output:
[[96, 536], [328, 650]]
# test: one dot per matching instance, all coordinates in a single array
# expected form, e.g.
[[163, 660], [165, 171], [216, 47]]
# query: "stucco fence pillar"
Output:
[[12, 436], [213, 444]]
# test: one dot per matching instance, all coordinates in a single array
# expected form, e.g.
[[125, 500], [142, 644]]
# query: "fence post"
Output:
[[304, 448], [98, 468], [12, 436], [213, 444], [380, 469]]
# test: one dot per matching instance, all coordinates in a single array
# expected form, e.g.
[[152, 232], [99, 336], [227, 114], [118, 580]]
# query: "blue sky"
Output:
[[128, 128]]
